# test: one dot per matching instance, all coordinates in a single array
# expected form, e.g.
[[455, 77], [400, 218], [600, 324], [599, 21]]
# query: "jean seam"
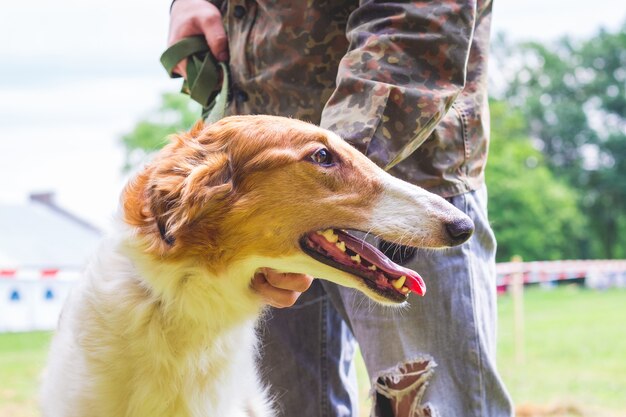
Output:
[[464, 168], [324, 411], [472, 277]]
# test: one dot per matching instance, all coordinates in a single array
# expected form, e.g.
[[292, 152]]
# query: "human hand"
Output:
[[280, 289], [198, 17]]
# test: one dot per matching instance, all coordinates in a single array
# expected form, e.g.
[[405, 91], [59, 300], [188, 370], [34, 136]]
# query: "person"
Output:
[[405, 83]]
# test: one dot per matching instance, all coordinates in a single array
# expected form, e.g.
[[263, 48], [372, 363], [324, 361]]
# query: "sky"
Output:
[[76, 75]]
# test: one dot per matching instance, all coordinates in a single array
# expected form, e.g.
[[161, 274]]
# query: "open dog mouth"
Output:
[[343, 251]]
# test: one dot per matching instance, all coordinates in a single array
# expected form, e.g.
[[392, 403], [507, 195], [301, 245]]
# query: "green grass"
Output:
[[22, 357], [575, 348], [575, 353]]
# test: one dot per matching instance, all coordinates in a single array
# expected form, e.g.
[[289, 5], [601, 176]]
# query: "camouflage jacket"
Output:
[[404, 82]]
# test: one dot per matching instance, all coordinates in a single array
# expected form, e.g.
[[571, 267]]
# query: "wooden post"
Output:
[[517, 290]]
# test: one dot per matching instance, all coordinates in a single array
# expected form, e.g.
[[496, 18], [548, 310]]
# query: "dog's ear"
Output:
[[187, 180], [200, 194]]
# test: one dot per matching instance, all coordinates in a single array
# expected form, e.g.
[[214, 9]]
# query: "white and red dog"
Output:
[[163, 323]]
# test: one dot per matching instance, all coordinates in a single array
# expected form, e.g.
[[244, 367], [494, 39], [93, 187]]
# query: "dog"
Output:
[[163, 322]]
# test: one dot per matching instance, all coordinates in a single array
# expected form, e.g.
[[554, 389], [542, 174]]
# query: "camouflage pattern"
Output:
[[404, 82]]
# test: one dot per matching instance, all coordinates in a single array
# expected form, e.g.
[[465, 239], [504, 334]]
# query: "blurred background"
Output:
[[84, 100]]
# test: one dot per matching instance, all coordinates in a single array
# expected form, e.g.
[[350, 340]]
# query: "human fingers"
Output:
[[197, 17], [276, 296], [288, 281], [215, 34]]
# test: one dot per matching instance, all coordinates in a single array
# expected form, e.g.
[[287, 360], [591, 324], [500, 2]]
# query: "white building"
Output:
[[43, 249]]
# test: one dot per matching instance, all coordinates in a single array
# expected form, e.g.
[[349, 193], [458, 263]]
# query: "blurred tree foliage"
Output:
[[573, 94], [176, 113], [533, 214]]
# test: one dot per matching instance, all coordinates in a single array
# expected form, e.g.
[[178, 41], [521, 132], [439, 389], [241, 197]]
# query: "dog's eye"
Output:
[[322, 157]]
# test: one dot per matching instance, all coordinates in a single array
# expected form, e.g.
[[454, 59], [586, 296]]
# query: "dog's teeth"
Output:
[[329, 235], [341, 245], [404, 290], [398, 283], [372, 268], [356, 258]]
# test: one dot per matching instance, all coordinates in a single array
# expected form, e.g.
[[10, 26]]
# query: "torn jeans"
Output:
[[436, 357]]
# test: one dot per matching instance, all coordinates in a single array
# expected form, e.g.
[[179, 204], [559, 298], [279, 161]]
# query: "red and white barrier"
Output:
[[32, 299], [597, 273]]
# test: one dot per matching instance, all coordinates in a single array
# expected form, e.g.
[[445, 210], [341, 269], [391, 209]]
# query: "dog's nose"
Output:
[[460, 230]]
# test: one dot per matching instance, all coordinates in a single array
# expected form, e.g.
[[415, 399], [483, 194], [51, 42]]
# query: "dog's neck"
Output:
[[191, 294], [169, 328]]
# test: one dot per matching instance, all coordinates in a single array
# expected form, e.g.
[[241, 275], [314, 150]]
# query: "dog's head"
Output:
[[263, 191]]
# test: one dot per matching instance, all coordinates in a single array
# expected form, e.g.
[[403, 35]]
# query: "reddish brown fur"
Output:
[[249, 174]]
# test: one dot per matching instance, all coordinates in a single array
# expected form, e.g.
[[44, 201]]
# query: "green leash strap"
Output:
[[203, 75]]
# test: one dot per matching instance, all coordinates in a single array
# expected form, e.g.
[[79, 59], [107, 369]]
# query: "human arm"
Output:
[[405, 66]]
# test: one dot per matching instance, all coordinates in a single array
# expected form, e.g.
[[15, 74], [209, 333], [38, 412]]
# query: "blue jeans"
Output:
[[436, 357]]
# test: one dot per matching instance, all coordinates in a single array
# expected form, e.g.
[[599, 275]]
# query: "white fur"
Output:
[[190, 337], [411, 212]]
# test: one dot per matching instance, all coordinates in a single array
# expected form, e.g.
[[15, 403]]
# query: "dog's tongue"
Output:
[[413, 280]]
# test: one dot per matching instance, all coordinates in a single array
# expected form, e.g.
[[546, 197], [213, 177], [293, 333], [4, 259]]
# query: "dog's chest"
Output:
[[222, 374]]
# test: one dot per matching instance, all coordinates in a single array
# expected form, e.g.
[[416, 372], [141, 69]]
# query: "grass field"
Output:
[[22, 356], [575, 357], [575, 350]]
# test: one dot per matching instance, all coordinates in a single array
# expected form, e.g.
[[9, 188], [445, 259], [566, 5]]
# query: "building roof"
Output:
[[42, 235]]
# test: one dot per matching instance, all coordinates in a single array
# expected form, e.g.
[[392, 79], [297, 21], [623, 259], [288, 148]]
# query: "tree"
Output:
[[533, 214], [176, 113], [573, 96]]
